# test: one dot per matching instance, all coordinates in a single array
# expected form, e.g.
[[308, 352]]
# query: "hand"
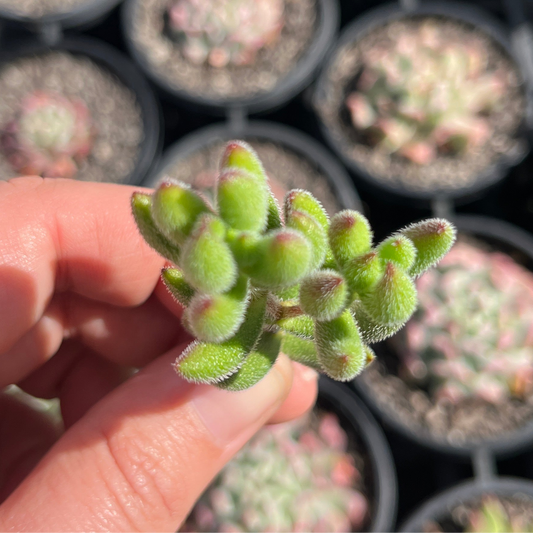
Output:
[[80, 305]]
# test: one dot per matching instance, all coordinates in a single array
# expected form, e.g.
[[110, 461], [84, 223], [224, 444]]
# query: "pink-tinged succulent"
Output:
[[297, 476], [50, 136], [472, 335], [222, 32], [422, 96]]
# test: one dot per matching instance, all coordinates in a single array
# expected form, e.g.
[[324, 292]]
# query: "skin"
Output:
[[81, 304]]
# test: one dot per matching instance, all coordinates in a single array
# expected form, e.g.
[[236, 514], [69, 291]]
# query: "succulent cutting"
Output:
[[222, 32], [493, 518], [50, 136], [256, 279], [296, 476], [422, 96]]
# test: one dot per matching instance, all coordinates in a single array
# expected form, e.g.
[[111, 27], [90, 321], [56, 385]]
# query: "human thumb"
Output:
[[140, 458]]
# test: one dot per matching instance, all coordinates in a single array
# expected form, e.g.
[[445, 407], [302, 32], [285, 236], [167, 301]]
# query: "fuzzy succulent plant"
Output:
[[254, 281], [222, 32], [297, 476], [422, 96], [50, 136], [472, 335]]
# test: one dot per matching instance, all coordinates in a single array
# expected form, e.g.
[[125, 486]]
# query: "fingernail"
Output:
[[229, 416], [308, 374]]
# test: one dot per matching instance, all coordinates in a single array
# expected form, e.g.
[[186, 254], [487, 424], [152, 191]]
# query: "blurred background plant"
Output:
[[424, 96], [223, 32], [297, 476], [473, 332], [50, 136]]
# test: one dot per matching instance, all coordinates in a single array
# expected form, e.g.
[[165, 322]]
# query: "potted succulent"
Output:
[[291, 160], [459, 376], [221, 54], [425, 103], [498, 505], [76, 110], [328, 471], [50, 17], [255, 282]]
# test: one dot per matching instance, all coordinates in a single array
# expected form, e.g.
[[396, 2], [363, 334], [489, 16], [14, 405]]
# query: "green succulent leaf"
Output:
[[393, 300], [315, 234], [323, 295], [364, 272], [257, 364], [349, 236], [176, 209], [290, 293], [274, 214], [370, 330], [305, 202], [141, 205], [302, 326], [301, 350], [341, 352], [175, 282], [203, 362], [207, 261], [433, 239], [216, 318], [281, 259], [240, 155], [242, 200], [398, 249]]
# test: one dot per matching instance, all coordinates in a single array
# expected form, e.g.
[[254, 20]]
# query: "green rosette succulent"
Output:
[[256, 279]]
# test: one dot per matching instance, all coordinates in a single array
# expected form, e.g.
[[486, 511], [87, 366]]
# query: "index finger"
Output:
[[59, 235]]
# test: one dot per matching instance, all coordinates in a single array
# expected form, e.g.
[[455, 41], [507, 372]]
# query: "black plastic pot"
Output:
[[294, 140], [364, 432], [116, 63], [50, 26], [288, 87], [441, 506], [462, 12], [506, 238]]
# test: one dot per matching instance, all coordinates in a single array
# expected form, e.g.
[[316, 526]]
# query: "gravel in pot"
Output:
[[318, 473], [216, 55], [504, 504], [426, 103], [291, 160], [78, 110], [43, 14], [460, 374]]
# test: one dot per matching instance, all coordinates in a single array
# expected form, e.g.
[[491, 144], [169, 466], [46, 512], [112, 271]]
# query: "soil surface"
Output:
[[116, 115], [517, 507], [286, 170], [38, 8], [271, 64], [446, 172]]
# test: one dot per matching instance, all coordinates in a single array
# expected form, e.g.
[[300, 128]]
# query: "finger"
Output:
[[302, 396], [128, 336], [30, 436], [70, 235], [142, 456]]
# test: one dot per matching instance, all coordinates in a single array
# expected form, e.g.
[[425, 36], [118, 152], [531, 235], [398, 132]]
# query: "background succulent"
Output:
[[422, 95], [473, 332], [222, 32], [491, 517], [50, 136], [255, 282], [297, 476]]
